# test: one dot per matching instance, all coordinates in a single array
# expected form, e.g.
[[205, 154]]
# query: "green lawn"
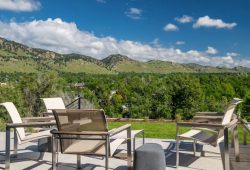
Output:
[[160, 130]]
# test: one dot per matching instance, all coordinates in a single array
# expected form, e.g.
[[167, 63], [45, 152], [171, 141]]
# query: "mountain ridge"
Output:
[[14, 55]]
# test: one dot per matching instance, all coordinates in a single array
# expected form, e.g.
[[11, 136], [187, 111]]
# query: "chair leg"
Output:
[[15, 144], [226, 150], [245, 135], [177, 152], [134, 144], [194, 147], [232, 138], [129, 152], [57, 152], [143, 138], [7, 149], [79, 166], [236, 144], [107, 153], [203, 153], [53, 141]]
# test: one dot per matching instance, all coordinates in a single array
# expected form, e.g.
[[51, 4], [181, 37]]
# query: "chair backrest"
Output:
[[15, 118], [230, 110], [228, 114], [78, 120], [53, 103]]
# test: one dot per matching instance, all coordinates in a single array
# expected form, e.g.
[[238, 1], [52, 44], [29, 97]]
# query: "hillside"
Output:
[[208, 69], [16, 57], [113, 60], [153, 66]]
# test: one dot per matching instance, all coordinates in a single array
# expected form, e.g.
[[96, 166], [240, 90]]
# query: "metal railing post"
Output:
[[79, 102]]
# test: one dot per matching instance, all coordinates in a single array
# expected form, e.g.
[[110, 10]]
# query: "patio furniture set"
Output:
[[85, 132]]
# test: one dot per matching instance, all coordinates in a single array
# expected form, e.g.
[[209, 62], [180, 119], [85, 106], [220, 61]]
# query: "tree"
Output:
[[34, 87]]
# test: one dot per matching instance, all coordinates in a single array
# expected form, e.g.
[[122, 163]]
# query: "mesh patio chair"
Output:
[[85, 132], [210, 132], [57, 103], [18, 125]]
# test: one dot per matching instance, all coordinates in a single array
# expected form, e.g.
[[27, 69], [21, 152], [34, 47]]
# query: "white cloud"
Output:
[[233, 54], [211, 50], [20, 5], [64, 37], [206, 21], [170, 27], [180, 42], [184, 19], [134, 13], [243, 62]]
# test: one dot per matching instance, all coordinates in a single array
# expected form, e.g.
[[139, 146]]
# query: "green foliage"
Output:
[[27, 90], [154, 96], [161, 96], [36, 86]]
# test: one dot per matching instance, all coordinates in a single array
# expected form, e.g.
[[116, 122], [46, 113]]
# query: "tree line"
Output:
[[154, 96]]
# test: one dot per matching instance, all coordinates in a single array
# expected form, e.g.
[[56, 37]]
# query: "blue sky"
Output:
[[207, 32]]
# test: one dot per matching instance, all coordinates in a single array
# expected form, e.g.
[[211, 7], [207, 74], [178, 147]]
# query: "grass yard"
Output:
[[161, 130]]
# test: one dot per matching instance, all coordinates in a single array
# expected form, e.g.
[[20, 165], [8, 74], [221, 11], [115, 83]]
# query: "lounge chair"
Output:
[[85, 132], [18, 125], [53, 103], [210, 132]]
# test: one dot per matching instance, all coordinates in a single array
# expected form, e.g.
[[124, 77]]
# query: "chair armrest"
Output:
[[207, 125], [244, 121], [33, 124], [246, 125], [232, 123], [207, 119], [209, 113], [54, 131], [37, 119], [120, 129], [204, 125]]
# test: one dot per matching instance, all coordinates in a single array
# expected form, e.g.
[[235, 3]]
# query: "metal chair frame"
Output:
[[98, 135]]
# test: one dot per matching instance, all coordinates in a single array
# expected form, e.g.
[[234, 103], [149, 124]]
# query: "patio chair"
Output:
[[85, 132], [53, 103], [210, 132], [18, 125], [57, 103]]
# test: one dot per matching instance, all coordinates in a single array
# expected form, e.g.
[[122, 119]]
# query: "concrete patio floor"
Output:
[[28, 157]]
